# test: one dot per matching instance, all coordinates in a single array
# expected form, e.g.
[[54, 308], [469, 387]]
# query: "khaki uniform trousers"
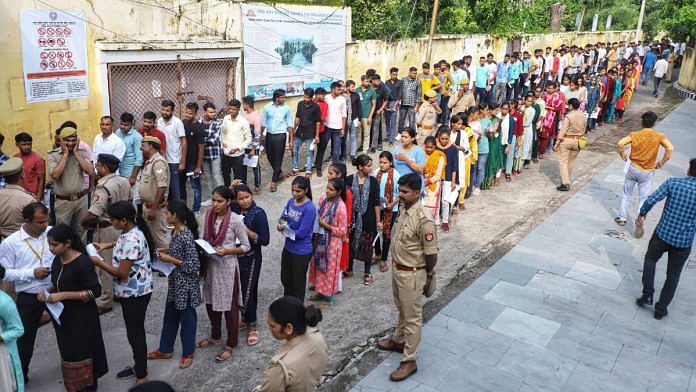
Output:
[[158, 228], [568, 152], [408, 298], [106, 235], [366, 129], [71, 213]]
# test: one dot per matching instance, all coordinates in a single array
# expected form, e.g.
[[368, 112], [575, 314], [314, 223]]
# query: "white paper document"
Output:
[[250, 161], [161, 266], [289, 233], [92, 251], [207, 248], [377, 237], [451, 196], [55, 309]]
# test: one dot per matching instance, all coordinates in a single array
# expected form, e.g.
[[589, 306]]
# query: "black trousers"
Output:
[[676, 257], [30, 311], [324, 138], [275, 150], [293, 274], [233, 165], [134, 310], [249, 273]]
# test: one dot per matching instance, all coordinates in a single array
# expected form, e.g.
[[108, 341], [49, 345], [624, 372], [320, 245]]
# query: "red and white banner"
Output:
[[54, 52]]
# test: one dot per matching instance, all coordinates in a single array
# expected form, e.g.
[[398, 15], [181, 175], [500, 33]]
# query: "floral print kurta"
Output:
[[223, 275], [326, 283], [555, 105]]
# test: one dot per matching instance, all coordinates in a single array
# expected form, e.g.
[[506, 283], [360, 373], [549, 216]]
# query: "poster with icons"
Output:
[[54, 54]]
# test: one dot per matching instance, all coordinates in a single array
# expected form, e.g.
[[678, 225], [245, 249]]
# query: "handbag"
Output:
[[77, 375], [582, 142], [7, 376], [430, 285]]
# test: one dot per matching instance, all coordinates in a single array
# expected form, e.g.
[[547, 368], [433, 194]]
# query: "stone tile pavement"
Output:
[[557, 312]]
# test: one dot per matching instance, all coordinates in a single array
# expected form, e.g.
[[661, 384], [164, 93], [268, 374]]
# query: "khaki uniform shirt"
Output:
[[415, 237], [71, 181], [459, 105], [13, 199], [110, 189], [155, 174], [427, 115], [298, 365], [573, 124]]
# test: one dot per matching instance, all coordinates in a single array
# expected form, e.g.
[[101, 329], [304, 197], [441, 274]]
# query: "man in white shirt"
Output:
[[107, 142], [27, 260], [173, 129], [601, 56], [235, 136], [335, 122], [660, 70]]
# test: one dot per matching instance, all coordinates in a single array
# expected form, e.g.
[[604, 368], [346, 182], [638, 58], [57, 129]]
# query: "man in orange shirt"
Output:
[[645, 145]]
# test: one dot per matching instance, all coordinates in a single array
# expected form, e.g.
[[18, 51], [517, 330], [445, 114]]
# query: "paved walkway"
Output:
[[557, 312]]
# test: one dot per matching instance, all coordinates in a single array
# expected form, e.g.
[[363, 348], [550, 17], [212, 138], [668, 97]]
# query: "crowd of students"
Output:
[[461, 128]]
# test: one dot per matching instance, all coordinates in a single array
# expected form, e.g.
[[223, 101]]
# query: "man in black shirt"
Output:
[[307, 128], [355, 114], [378, 122], [195, 140]]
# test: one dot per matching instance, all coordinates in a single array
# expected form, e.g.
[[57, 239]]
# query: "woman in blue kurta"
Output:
[[10, 330]]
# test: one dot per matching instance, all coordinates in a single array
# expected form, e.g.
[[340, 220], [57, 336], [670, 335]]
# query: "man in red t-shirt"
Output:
[[149, 129], [33, 167]]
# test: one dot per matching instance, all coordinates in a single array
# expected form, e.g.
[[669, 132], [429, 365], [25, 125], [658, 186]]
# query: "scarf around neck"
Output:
[[327, 211], [209, 234]]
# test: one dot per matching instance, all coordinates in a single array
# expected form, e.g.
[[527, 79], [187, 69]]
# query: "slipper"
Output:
[[207, 342], [292, 173], [620, 222], [368, 280], [253, 338], [257, 191], [224, 355], [274, 187]]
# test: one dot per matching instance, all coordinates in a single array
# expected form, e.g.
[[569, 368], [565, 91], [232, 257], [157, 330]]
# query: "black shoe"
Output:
[[644, 300], [318, 172], [327, 160], [126, 373], [371, 150], [563, 188], [659, 314]]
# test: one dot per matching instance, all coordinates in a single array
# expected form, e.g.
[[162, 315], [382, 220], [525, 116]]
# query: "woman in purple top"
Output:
[[297, 225]]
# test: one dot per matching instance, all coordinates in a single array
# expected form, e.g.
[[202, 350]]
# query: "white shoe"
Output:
[[207, 203]]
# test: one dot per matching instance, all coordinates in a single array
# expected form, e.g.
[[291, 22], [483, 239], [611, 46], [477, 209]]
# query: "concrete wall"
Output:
[[380, 55], [687, 74]]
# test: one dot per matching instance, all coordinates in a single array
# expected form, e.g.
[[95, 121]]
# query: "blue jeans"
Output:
[[195, 185], [296, 154], [391, 118], [353, 138], [644, 76], [406, 112], [480, 172], [335, 136], [174, 182], [188, 319], [481, 94]]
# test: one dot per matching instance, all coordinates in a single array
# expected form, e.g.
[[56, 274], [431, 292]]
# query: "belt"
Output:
[[73, 197], [104, 224], [427, 126], [572, 136], [402, 267]]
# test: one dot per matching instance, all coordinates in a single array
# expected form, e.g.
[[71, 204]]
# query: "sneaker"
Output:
[[207, 203], [563, 188], [126, 373]]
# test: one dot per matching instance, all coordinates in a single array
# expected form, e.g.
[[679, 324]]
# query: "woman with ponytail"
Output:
[[184, 293], [332, 220], [131, 267], [301, 361]]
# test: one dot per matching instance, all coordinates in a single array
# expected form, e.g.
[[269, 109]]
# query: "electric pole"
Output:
[[640, 21], [436, 7]]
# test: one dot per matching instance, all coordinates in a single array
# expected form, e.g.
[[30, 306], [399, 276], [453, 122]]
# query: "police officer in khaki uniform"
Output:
[[568, 142], [110, 189], [13, 198], [66, 166], [414, 256], [153, 189]]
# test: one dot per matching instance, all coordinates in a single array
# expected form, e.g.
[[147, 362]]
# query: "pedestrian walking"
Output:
[[642, 162], [673, 235], [569, 142], [176, 148], [276, 125], [414, 256]]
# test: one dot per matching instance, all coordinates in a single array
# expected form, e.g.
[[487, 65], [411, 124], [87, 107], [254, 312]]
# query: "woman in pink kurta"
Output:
[[332, 219], [555, 105]]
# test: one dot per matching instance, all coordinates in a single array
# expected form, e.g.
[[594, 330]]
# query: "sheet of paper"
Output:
[[161, 266], [451, 196], [627, 166], [55, 309], [289, 233], [377, 237], [92, 251], [250, 161], [207, 248]]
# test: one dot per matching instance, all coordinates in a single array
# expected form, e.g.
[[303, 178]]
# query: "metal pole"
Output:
[[179, 89], [432, 30], [640, 21]]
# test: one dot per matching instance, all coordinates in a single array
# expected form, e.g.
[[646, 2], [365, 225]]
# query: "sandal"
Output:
[[383, 266], [316, 298], [257, 191], [368, 280], [274, 187], [185, 361], [620, 222], [508, 178], [292, 173], [207, 342], [157, 354], [224, 354], [253, 338]]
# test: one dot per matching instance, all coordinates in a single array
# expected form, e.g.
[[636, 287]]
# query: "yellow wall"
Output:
[[687, 74], [380, 55], [124, 18]]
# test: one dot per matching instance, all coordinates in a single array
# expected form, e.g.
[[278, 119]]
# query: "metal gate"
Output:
[[140, 87]]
